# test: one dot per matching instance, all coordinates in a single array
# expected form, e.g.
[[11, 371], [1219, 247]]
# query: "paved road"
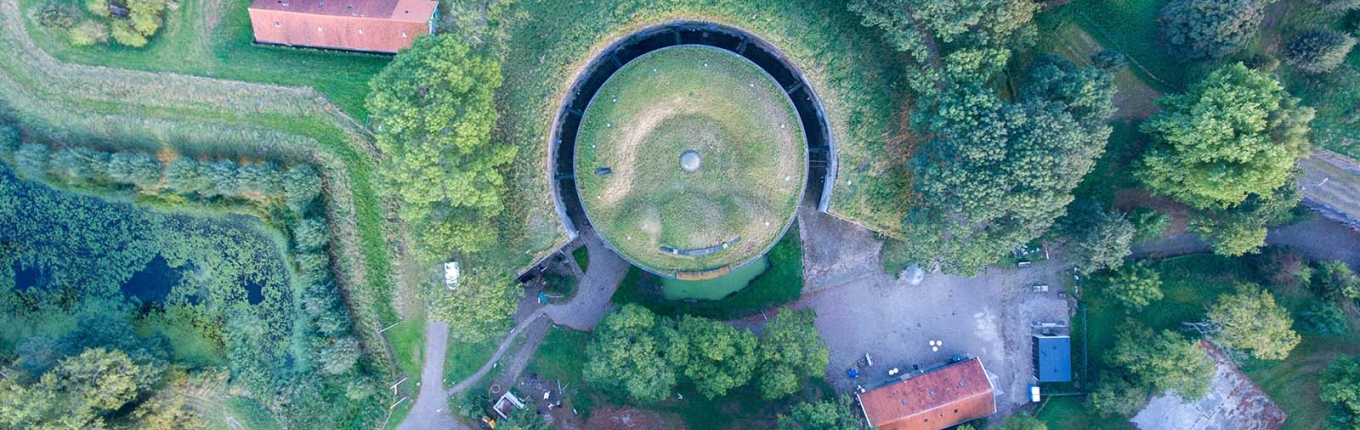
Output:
[[431, 410], [1318, 238], [591, 302]]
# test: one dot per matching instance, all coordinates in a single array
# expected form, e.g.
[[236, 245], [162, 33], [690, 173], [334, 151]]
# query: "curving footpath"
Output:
[[431, 409]]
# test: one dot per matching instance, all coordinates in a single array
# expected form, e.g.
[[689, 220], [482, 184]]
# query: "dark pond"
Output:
[[254, 292], [152, 284], [25, 278]]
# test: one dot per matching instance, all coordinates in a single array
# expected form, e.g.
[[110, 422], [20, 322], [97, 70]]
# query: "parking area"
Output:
[[990, 316]]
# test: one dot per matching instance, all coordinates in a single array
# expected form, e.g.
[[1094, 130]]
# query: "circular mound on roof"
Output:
[[690, 161]]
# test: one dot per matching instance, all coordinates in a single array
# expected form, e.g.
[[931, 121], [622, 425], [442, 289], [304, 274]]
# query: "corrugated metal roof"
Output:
[[357, 25], [941, 398]]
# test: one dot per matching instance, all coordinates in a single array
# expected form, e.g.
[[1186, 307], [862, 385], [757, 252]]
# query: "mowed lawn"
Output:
[[213, 38], [679, 99]]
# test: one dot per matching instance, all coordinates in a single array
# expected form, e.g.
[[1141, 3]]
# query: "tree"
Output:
[[1209, 29], [1334, 280], [301, 187], [1241, 229], [433, 113], [125, 34], [1341, 387], [1283, 267], [263, 178], [1325, 319], [76, 393], [1098, 239], [1318, 50], [715, 356], [139, 169], [915, 26], [9, 139], [1165, 362], [1233, 134], [101, 379], [832, 414], [1249, 320], [88, 32], [481, 304], [626, 354], [1023, 422], [1116, 396], [166, 411], [1134, 286], [996, 175], [790, 351], [339, 356], [1149, 224]]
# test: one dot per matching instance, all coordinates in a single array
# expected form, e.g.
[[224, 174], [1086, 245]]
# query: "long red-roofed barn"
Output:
[[941, 398], [384, 26]]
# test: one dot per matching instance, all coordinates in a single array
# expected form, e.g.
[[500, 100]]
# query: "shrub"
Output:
[[124, 34], [263, 178], [1341, 387], [55, 16], [1116, 396], [1134, 286], [31, 160], [1149, 224], [301, 187], [311, 235], [186, 176], [139, 169], [80, 164], [340, 356], [1110, 60], [1338, 5], [1099, 239], [99, 8], [1318, 51], [1283, 267], [1334, 280], [1325, 319], [89, 32], [9, 139], [225, 178]]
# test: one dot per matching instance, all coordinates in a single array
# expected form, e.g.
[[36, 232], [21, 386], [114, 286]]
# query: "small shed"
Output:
[[1053, 358]]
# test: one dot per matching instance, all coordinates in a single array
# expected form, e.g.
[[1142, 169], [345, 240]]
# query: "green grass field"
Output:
[[690, 99], [781, 283], [463, 359]]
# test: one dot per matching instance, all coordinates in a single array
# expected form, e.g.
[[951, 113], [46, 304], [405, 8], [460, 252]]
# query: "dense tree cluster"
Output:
[[1228, 148], [130, 22], [1143, 361], [997, 174], [644, 356], [481, 304], [1209, 29], [1318, 51], [433, 114], [92, 389]]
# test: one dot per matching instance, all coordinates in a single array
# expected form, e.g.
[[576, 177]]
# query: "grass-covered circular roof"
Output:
[[690, 161]]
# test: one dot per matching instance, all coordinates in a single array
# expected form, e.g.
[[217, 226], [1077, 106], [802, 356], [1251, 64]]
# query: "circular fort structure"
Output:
[[690, 160], [687, 147]]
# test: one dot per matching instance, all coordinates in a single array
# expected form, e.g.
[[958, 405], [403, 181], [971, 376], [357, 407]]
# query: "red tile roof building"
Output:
[[354, 25], [948, 396]]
